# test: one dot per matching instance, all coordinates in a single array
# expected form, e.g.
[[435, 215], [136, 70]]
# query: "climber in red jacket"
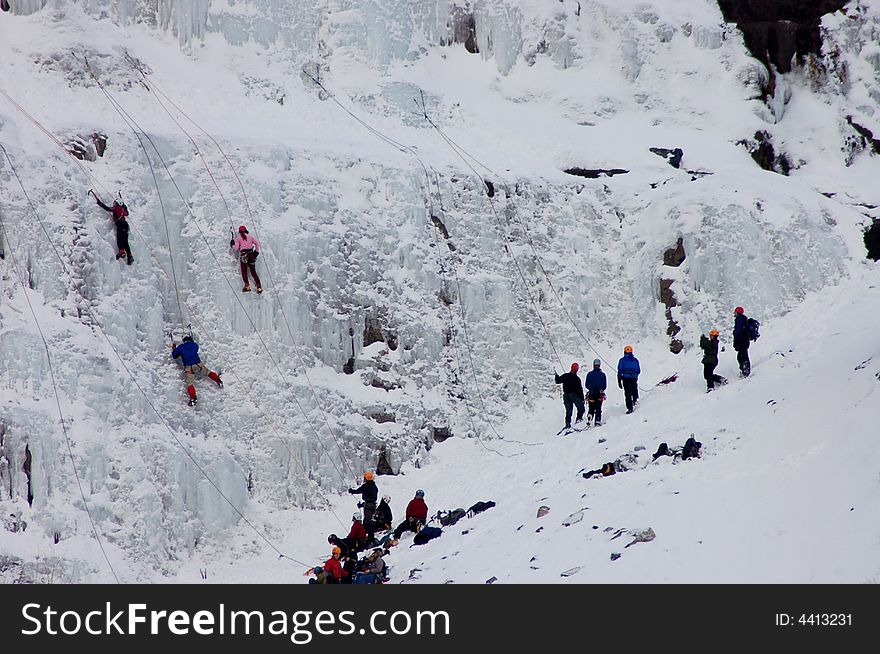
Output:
[[358, 534], [416, 515]]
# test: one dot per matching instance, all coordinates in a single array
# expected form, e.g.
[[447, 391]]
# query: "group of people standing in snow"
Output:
[[745, 330], [370, 530], [573, 394]]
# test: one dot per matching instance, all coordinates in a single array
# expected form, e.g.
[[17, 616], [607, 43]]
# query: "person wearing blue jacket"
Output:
[[628, 377], [741, 341], [188, 351], [595, 383]]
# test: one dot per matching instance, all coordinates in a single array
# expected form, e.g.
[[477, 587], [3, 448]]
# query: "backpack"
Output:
[[662, 450], [691, 449], [449, 518], [479, 507], [426, 534], [752, 327]]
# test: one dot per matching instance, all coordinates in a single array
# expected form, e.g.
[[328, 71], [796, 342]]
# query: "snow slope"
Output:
[[469, 312]]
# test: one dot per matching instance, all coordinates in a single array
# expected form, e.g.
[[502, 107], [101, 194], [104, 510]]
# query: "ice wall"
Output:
[[401, 322]]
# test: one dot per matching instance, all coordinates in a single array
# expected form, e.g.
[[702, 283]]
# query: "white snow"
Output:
[[787, 489]]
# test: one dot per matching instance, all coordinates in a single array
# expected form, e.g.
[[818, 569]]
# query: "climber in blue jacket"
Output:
[[628, 377], [188, 351]]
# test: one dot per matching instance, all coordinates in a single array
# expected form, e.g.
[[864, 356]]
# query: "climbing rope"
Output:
[[135, 381], [136, 127], [20, 278], [405, 149], [462, 153]]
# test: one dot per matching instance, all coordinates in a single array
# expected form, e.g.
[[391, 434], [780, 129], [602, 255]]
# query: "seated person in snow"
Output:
[[358, 534], [416, 515], [372, 569]]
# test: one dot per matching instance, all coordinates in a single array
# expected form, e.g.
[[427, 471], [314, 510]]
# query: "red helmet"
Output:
[[242, 229], [575, 367], [739, 310]]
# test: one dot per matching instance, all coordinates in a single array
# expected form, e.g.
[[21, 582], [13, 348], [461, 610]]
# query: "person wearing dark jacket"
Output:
[[119, 212], [628, 372], [368, 492], [188, 351], [595, 383], [382, 516], [343, 544], [416, 515], [741, 341], [572, 394], [710, 360]]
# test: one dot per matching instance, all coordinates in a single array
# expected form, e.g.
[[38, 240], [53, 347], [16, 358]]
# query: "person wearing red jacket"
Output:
[[416, 515], [358, 534], [333, 571]]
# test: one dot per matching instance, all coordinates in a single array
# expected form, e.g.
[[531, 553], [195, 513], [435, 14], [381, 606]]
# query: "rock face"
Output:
[[776, 31]]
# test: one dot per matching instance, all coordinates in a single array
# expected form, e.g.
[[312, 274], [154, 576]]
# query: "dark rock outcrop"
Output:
[[674, 256], [441, 434], [765, 155], [872, 241], [667, 297], [867, 136], [595, 173], [779, 31], [673, 157]]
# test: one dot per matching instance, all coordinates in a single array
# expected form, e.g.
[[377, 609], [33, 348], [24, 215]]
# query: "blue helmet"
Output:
[[420, 493], [317, 569]]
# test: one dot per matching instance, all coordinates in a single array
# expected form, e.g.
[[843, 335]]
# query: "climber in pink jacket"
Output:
[[248, 249]]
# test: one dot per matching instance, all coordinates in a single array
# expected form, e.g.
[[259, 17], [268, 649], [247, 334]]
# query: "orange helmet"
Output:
[[713, 332], [368, 476], [628, 348], [336, 550]]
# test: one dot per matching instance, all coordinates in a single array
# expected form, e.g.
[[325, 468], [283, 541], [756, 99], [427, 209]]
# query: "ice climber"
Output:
[[572, 394], [596, 383], [628, 377], [710, 360], [188, 351], [416, 515], [248, 249], [369, 492], [741, 341], [119, 213]]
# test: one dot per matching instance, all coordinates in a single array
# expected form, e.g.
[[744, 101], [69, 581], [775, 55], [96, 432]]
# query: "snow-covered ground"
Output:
[[470, 312]]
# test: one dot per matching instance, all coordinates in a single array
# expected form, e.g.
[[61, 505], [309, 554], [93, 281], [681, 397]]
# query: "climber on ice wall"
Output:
[[188, 351]]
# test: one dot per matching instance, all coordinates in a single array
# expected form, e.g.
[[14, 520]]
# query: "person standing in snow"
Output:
[[248, 249], [416, 515], [572, 394], [741, 341], [710, 360], [369, 492], [188, 351], [628, 372], [595, 383], [119, 212]]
